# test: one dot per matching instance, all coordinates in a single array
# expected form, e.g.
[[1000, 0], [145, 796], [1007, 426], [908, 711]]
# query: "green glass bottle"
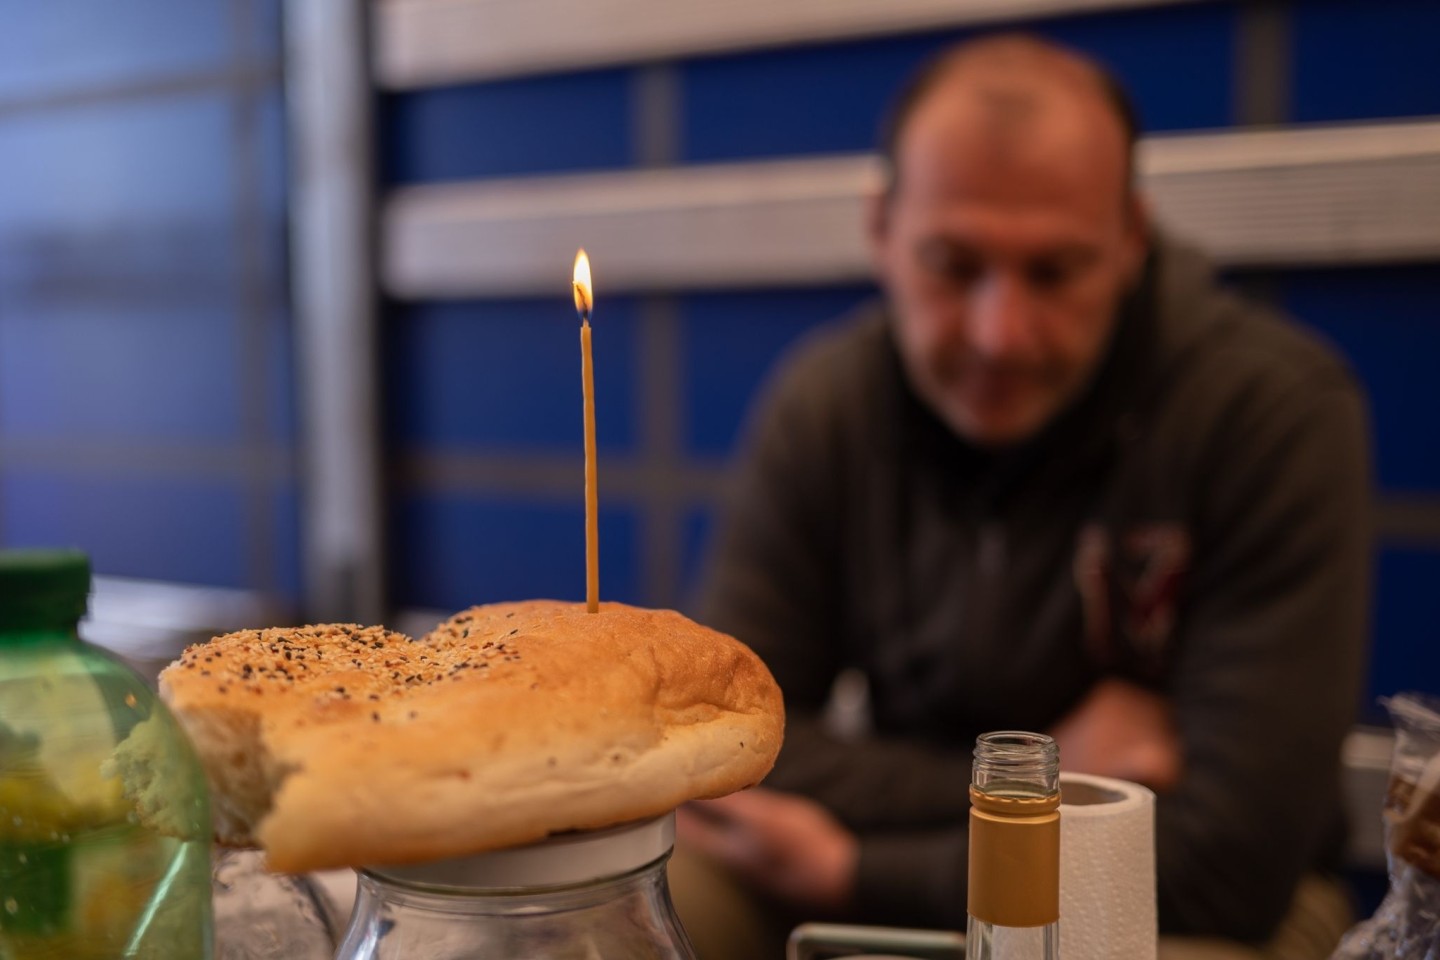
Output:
[[104, 821]]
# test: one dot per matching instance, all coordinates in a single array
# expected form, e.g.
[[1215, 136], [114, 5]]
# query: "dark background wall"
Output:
[[147, 376]]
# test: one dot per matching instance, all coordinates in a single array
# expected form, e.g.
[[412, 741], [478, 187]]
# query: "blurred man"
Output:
[[1057, 481]]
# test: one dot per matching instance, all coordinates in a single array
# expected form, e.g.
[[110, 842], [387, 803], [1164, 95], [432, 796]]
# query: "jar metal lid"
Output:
[[562, 860]]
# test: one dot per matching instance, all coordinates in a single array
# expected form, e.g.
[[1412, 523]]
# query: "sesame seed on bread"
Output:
[[340, 745]]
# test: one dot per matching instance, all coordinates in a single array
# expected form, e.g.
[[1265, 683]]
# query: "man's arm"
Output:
[[1270, 654], [795, 850], [776, 583]]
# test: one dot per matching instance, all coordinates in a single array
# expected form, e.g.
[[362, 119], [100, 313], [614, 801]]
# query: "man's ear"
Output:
[[1137, 234]]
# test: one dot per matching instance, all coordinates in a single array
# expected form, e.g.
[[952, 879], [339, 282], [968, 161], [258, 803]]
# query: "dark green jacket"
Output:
[[1198, 521]]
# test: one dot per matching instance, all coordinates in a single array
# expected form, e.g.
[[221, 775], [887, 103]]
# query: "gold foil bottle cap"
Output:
[[1014, 868]]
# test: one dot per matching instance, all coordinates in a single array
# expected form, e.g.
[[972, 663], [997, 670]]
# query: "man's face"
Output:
[[1005, 248]]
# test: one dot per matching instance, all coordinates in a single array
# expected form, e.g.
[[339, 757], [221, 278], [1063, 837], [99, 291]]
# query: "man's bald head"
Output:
[[1009, 85], [1009, 233]]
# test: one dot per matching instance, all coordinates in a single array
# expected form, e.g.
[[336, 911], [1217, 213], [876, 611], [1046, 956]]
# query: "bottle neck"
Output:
[[20, 634], [988, 941], [1014, 869], [1014, 763]]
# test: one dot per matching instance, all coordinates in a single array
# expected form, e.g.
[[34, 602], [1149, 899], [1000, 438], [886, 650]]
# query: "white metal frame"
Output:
[[1324, 195]]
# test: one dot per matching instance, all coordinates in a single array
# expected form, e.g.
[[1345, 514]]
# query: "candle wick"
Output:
[[582, 303]]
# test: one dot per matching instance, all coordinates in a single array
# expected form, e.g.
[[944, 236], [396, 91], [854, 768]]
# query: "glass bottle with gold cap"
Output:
[[1014, 899]]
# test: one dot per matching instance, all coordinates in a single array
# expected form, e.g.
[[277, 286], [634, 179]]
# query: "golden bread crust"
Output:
[[506, 723]]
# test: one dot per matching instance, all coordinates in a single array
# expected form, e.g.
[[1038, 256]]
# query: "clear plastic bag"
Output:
[[1407, 924]]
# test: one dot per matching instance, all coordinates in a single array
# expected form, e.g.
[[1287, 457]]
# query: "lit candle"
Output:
[[584, 300]]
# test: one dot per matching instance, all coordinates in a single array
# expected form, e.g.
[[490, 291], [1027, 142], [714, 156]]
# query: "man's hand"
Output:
[[786, 845], [1124, 731]]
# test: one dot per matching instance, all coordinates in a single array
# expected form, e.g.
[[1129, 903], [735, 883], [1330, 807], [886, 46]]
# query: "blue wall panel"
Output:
[[452, 552], [281, 413], [1406, 647], [1356, 60], [142, 226], [505, 374], [140, 526], [699, 527], [58, 47], [286, 578], [272, 168], [533, 125], [1177, 62], [93, 372], [162, 164], [1387, 322], [731, 341], [811, 100], [117, 283]]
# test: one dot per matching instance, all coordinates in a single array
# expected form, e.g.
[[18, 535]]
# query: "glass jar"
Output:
[[592, 895], [261, 915]]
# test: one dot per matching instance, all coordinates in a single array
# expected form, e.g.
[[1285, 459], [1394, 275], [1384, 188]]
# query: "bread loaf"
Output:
[[341, 745]]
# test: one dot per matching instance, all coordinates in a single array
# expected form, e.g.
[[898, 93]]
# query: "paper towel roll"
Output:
[[1107, 869]]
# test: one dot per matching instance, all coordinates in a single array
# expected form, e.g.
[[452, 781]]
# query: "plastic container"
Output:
[[104, 822], [1407, 924]]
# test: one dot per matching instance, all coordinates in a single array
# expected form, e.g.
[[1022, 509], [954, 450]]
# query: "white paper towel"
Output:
[[1107, 869]]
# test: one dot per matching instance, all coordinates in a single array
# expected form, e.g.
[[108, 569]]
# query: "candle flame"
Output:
[[584, 299]]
